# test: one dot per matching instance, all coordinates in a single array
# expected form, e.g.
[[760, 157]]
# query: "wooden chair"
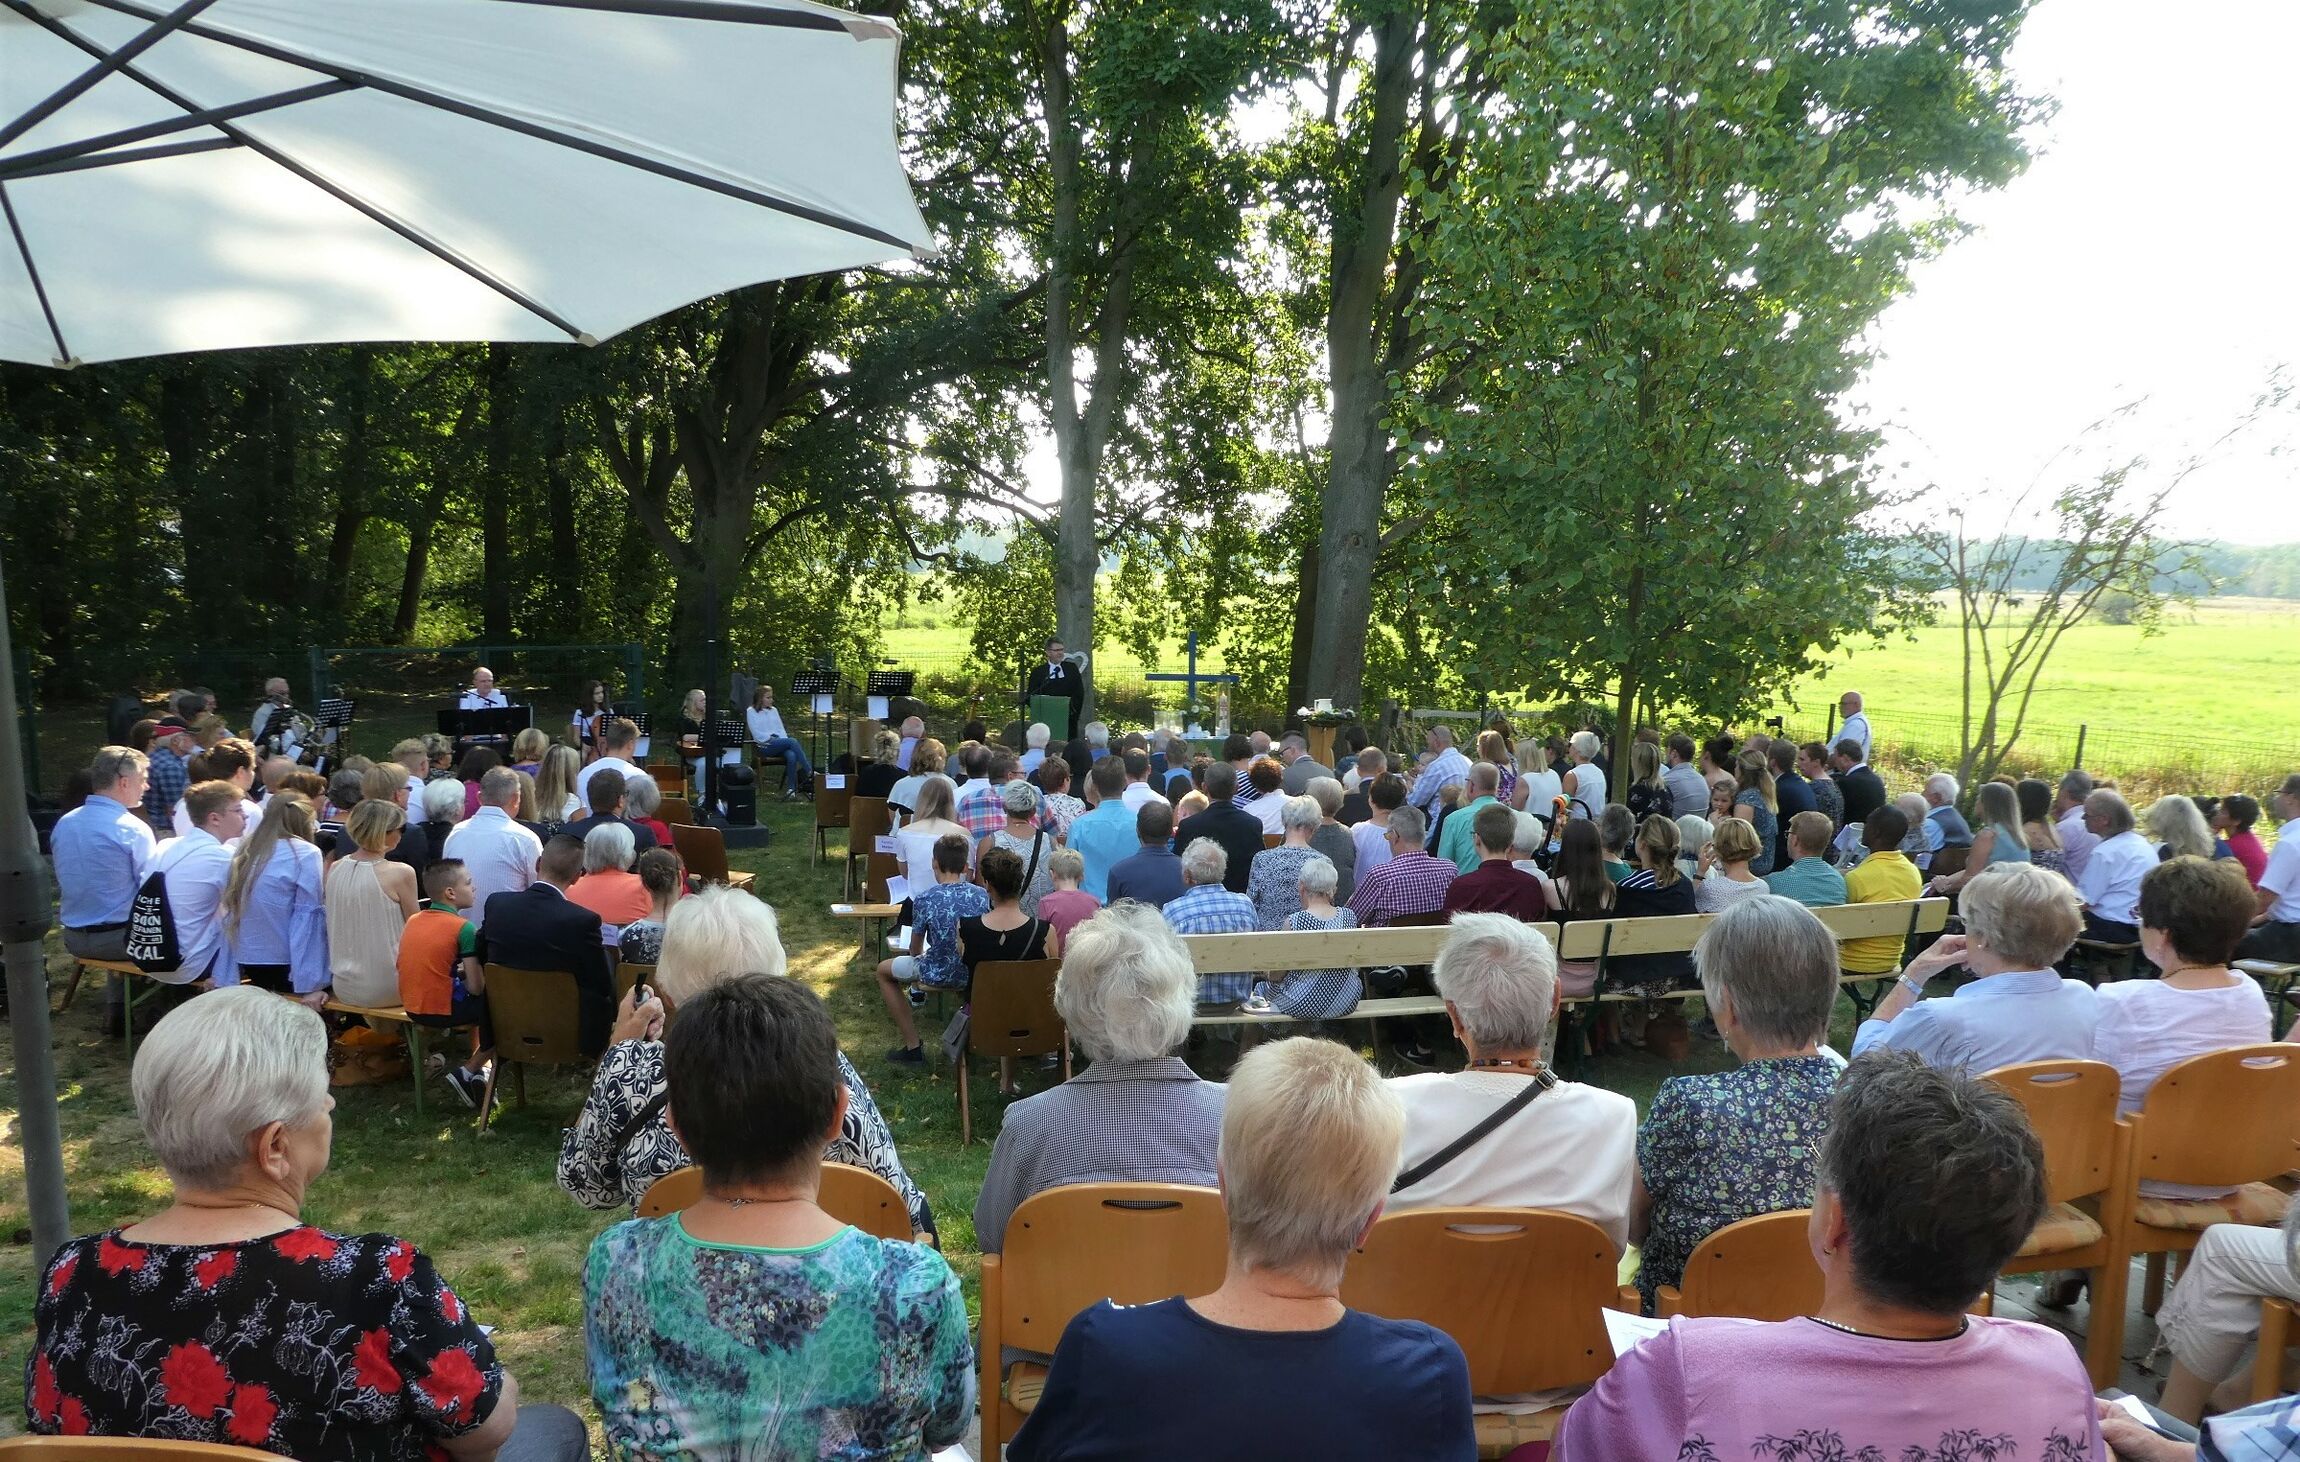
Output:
[[2226, 1119], [831, 808], [671, 780], [629, 973], [126, 1449], [1757, 1269], [1950, 860], [877, 869], [849, 1194], [535, 1014], [1010, 1015], [676, 812], [868, 820], [1271, 840], [2268, 1360], [2088, 1191], [1434, 919], [1072, 1247], [1520, 1290], [704, 851]]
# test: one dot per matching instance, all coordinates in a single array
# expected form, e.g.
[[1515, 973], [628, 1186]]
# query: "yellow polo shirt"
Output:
[[1880, 878]]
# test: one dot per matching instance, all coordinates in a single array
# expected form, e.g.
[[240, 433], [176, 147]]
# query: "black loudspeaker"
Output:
[[739, 794]]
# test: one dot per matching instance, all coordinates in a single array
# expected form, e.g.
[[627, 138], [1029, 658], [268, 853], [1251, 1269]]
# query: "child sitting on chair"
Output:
[[441, 982]]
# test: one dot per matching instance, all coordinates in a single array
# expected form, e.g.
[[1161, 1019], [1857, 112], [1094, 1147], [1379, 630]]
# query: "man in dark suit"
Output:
[[1792, 794], [1059, 677], [538, 928], [1238, 831], [1358, 806], [1153, 875], [1864, 790]]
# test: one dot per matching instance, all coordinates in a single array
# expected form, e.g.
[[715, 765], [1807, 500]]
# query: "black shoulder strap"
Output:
[[1541, 1082], [1037, 846], [639, 1120]]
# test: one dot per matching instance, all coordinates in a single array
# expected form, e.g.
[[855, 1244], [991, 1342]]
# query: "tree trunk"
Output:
[[1305, 599], [351, 490], [1360, 457], [419, 533], [495, 502], [1075, 549], [559, 509]]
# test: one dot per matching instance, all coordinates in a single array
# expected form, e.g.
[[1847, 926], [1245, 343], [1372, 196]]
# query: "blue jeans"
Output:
[[797, 770]]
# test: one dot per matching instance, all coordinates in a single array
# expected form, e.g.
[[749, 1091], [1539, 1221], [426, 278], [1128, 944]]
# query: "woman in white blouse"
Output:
[[2193, 912], [1725, 875]]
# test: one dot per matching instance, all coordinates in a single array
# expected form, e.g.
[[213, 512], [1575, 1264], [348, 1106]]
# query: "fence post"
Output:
[[634, 672], [2080, 730], [318, 678]]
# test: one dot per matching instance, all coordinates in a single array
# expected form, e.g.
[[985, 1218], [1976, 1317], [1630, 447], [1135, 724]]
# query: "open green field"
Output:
[[489, 1209]]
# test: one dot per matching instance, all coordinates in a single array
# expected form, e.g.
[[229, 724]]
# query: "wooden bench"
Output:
[[411, 1031], [132, 980], [1591, 940], [2277, 980]]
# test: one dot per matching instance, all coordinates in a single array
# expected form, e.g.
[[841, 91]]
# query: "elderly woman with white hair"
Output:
[[2180, 830], [1272, 1364], [1034, 748], [1718, 1148], [1025, 839], [1584, 781], [1332, 838], [1274, 879], [608, 887], [1137, 1114], [227, 1319], [2019, 921], [1325, 994], [622, 1142], [1571, 1148]]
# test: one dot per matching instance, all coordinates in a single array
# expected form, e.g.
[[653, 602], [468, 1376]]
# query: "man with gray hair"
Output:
[[101, 849], [494, 849], [1568, 1146], [2110, 883], [1411, 882], [1206, 907], [1358, 786], [1137, 1114], [1941, 811], [1301, 767], [2076, 840], [1445, 767]]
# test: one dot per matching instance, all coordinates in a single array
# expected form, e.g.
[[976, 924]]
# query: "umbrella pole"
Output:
[[24, 920]]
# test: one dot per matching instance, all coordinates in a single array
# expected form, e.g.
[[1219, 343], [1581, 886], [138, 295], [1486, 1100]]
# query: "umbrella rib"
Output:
[[107, 62], [424, 96], [39, 290], [326, 185], [29, 164], [132, 154]]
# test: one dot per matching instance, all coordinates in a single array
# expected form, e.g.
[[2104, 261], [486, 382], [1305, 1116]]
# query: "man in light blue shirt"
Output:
[[1455, 843], [1445, 767], [101, 850], [1106, 835], [2019, 919], [1809, 879]]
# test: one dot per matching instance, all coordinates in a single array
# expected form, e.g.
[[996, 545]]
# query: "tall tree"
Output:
[[1649, 283]]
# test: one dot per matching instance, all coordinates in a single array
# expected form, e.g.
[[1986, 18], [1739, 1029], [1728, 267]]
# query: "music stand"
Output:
[[732, 737], [637, 718], [886, 685], [821, 680], [329, 728], [491, 727]]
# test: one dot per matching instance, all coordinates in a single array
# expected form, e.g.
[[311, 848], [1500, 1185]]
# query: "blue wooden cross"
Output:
[[1193, 679]]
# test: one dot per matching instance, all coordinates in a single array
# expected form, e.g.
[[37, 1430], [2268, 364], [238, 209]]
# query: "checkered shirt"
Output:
[[164, 787], [1209, 908], [1411, 883], [982, 809]]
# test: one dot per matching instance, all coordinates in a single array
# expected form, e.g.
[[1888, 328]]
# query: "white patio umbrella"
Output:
[[230, 173]]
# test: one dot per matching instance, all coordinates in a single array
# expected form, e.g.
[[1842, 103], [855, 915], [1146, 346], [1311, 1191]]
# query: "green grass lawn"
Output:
[[488, 1209]]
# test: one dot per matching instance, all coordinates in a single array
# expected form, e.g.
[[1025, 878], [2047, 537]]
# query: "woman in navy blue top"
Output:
[[1272, 1364]]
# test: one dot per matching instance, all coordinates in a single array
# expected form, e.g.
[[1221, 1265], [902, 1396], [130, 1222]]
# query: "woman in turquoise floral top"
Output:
[[754, 1324], [1720, 1148]]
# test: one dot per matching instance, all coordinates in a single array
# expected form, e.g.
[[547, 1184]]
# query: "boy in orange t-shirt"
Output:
[[441, 982]]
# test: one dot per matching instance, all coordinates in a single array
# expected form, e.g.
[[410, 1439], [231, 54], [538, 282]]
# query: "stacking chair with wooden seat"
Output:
[[2268, 1358], [537, 1023], [1520, 1290], [849, 1194], [1067, 1249], [704, 851], [629, 973], [2071, 1106], [2226, 1119], [676, 812], [1757, 1269], [868, 820], [1010, 1015], [670, 780], [831, 805]]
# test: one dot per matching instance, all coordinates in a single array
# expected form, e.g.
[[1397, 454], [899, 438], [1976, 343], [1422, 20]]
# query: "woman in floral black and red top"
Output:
[[225, 1318]]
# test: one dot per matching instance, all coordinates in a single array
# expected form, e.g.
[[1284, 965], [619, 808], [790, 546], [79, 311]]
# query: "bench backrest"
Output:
[[1276, 951]]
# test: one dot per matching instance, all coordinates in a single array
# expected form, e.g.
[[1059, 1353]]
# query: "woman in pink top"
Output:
[[1929, 1182], [2233, 820], [1066, 905]]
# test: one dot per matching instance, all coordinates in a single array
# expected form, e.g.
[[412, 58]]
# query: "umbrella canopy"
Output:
[[229, 173]]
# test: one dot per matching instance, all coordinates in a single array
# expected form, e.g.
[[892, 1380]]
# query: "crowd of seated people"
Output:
[[422, 885]]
